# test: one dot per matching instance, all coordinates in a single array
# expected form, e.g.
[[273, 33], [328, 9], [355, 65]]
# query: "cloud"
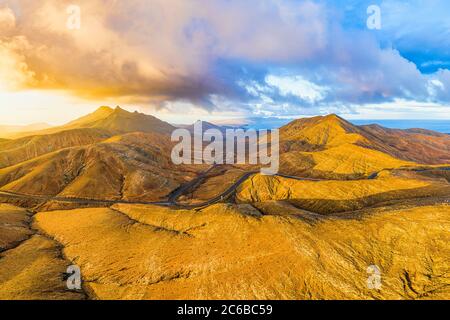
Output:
[[7, 19], [265, 56], [298, 87]]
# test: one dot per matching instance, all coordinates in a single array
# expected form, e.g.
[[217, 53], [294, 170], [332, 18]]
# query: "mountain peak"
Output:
[[104, 108], [332, 116], [330, 130]]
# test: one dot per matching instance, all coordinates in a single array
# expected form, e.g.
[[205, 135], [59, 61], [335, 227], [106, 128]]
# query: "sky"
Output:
[[185, 60]]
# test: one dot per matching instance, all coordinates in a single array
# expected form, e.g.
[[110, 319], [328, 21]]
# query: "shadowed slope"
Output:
[[134, 166], [16, 151], [423, 146]]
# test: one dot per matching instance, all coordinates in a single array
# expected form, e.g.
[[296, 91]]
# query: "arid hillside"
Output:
[[102, 193], [22, 149], [319, 133], [114, 120], [157, 253], [134, 166], [328, 197], [113, 154], [422, 146], [110, 154], [332, 148]]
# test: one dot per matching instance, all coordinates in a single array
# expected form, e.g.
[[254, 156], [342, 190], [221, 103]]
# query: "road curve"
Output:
[[177, 193], [172, 199]]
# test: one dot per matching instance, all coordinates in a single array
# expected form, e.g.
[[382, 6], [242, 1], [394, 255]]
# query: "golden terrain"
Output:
[[32, 266], [106, 155], [347, 197], [233, 251], [327, 197]]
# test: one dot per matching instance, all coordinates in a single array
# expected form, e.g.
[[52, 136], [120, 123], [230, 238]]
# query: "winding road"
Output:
[[172, 200], [183, 189]]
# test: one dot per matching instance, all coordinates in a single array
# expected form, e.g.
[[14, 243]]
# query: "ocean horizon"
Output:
[[442, 126]]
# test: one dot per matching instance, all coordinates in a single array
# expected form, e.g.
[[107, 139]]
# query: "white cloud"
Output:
[[216, 55], [297, 86]]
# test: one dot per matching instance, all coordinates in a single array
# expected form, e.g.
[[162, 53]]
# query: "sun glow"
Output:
[[33, 106]]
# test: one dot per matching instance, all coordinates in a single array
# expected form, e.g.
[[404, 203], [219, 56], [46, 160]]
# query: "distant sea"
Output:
[[435, 125], [442, 126]]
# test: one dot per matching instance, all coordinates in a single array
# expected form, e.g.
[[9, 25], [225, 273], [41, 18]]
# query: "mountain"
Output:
[[419, 145], [372, 199], [115, 121], [332, 147], [121, 121], [115, 154], [319, 133], [108, 154], [134, 166], [19, 150], [255, 122], [99, 114], [105, 122]]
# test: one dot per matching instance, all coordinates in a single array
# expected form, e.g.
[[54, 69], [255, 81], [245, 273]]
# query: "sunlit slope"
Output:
[[327, 197], [34, 271], [115, 121], [318, 133], [16, 151], [234, 252], [331, 147], [123, 121], [31, 266], [131, 167], [98, 115], [349, 159], [109, 154]]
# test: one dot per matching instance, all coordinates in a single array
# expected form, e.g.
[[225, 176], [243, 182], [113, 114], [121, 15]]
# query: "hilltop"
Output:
[[378, 197], [115, 121], [108, 154], [115, 154], [332, 147]]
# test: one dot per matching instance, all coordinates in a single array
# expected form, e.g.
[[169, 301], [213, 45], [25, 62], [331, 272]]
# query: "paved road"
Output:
[[75, 200], [191, 185], [231, 190], [221, 197], [173, 198], [176, 194]]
